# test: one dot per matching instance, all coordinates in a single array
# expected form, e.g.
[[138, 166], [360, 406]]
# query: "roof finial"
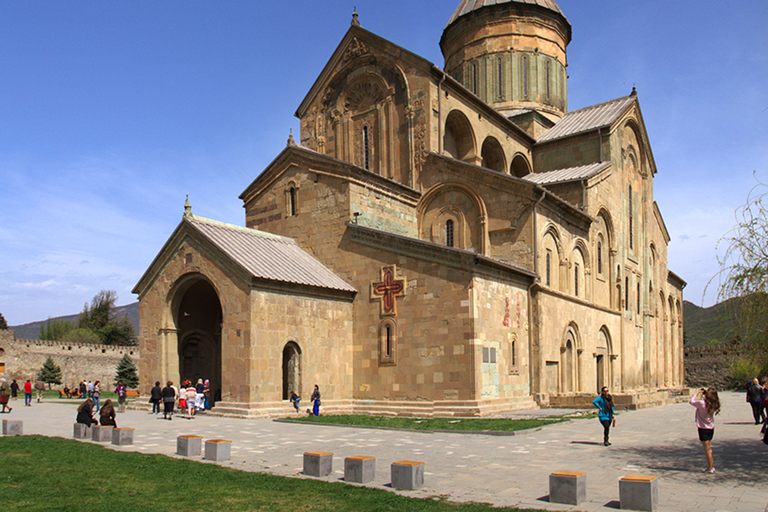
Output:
[[187, 208], [355, 21], [634, 90], [291, 142]]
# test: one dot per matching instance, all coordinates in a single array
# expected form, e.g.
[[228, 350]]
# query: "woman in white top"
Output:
[[191, 397], [707, 404]]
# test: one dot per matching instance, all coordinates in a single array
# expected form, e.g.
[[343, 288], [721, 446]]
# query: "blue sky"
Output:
[[111, 112]]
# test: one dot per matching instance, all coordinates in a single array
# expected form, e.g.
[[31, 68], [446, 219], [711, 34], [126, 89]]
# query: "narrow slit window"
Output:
[[549, 263], [474, 78], [626, 294], [576, 280], [525, 77], [600, 258], [449, 233], [638, 298], [631, 234], [500, 73], [292, 201], [549, 76], [366, 150], [388, 342]]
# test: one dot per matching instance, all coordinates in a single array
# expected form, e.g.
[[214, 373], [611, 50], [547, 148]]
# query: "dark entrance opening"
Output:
[[198, 320], [291, 369]]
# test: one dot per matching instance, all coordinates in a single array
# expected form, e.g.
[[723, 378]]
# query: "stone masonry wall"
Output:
[[710, 366], [22, 359]]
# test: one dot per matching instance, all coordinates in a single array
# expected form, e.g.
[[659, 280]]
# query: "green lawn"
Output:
[[55, 474], [468, 424]]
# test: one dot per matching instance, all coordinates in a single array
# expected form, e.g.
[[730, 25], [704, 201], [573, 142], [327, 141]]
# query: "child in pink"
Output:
[[707, 404]]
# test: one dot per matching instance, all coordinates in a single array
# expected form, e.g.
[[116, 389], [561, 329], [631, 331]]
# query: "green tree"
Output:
[[50, 373], [743, 258], [81, 337], [3, 323], [126, 372], [101, 319], [55, 329]]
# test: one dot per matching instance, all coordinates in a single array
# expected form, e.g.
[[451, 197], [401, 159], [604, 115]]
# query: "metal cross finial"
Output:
[[355, 21]]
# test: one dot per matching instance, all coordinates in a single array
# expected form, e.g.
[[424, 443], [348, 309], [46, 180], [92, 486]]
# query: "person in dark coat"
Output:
[[755, 399], [156, 396], [315, 399], [169, 400], [107, 414], [85, 413]]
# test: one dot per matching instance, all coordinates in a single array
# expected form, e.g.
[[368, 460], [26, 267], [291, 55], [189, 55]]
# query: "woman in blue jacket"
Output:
[[605, 403]]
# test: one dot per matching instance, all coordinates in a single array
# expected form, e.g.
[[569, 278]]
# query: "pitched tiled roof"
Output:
[[588, 119], [566, 175], [467, 6], [267, 256]]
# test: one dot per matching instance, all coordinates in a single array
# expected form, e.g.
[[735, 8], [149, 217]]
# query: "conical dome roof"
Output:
[[467, 6]]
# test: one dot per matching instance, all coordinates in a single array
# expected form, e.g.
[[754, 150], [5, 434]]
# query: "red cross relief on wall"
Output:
[[388, 290]]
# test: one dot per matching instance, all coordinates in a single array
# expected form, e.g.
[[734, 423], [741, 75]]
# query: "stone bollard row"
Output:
[[636, 492], [405, 474]]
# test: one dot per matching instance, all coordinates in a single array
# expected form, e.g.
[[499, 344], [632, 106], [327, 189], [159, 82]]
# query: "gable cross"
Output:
[[388, 290]]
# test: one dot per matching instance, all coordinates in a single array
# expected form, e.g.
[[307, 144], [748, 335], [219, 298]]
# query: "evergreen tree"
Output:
[[3, 323], [126, 372], [50, 373], [55, 330]]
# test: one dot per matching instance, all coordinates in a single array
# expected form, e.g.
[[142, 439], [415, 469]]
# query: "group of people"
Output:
[[295, 399], [757, 397], [190, 398], [86, 414], [706, 402], [12, 392]]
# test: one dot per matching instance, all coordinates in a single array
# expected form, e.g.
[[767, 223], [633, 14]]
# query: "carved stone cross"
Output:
[[388, 289]]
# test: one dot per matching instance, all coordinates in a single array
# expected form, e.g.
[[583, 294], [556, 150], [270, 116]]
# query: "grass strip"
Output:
[[54, 474], [437, 424]]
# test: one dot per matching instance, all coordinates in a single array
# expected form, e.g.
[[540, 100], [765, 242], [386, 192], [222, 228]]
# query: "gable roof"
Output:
[[260, 256], [588, 119], [565, 175]]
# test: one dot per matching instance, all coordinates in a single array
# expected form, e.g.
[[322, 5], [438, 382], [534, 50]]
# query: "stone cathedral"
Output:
[[437, 242]]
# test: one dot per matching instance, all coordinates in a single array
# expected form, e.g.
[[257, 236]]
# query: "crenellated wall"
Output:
[[710, 366], [22, 359]]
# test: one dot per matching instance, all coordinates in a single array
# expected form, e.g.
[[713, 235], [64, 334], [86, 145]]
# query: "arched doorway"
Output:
[[569, 364], [198, 318], [603, 364], [291, 369]]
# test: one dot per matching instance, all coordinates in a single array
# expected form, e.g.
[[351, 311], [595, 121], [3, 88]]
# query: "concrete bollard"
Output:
[[318, 464], [101, 433], [359, 469], [122, 436], [218, 449], [638, 492], [82, 431], [569, 487], [407, 475], [13, 428], [189, 446]]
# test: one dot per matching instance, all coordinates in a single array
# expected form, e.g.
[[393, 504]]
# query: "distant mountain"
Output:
[[31, 331], [718, 323]]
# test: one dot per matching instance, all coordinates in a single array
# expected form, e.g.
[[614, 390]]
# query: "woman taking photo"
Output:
[[707, 404]]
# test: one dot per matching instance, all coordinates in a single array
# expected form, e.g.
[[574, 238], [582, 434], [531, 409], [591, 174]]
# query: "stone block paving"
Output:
[[501, 470]]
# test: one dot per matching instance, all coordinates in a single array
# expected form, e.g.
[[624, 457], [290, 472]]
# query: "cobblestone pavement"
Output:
[[502, 470]]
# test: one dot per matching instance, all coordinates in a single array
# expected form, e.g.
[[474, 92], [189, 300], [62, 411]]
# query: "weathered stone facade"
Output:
[[505, 252], [22, 359]]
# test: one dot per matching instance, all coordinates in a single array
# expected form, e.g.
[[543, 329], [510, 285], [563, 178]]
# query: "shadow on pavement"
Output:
[[738, 461]]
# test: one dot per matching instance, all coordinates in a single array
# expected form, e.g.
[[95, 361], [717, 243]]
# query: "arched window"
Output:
[[449, 233], [292, 201], [387, 343], [599, 257], [366, 150], [631, 234], [549, 267], [576, 280], [525, 77]]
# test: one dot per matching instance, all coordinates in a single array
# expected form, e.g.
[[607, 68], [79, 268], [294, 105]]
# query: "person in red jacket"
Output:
[[28, 393]]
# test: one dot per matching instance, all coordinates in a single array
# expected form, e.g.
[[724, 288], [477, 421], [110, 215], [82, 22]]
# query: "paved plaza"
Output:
[[502, 470]]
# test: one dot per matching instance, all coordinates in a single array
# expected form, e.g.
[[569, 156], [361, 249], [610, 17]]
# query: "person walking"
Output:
[[169, 399], [295, 399], [40, 388], [89, 389], [707, 405], [755, 399], [83, 390], [121, 393], [315, 399], [96, 394], [5, 394], [28, 393], [14, 389], [156, 396], [604, 402]]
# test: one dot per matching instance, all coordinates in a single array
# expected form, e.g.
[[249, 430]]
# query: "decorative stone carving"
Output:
[[355, 49], [363, 96], [388, 290]]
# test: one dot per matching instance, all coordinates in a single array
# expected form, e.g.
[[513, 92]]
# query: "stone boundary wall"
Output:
[[22, 359], [710, 365]]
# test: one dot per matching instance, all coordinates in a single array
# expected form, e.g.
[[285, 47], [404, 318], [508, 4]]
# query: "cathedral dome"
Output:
[[510, 53], [467, 6]]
